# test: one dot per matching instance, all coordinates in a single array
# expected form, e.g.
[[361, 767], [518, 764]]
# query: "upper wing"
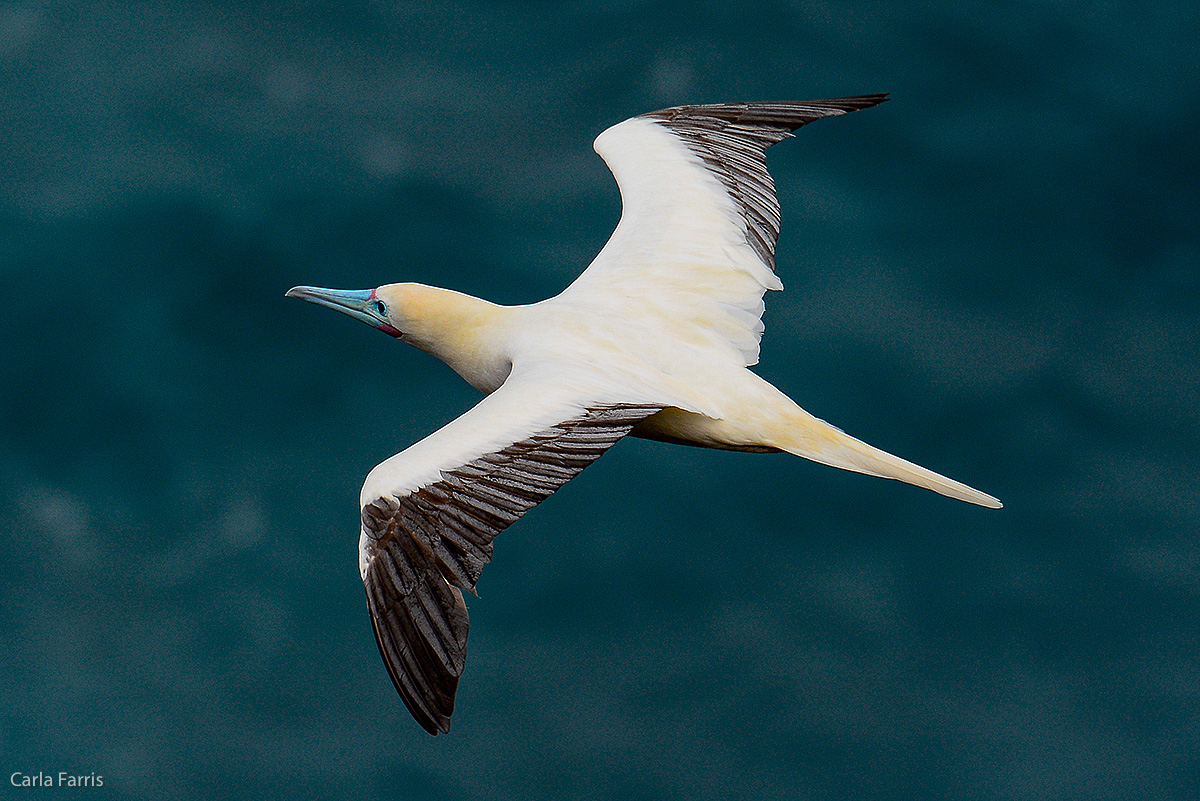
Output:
[[699, 219], [430, 513]]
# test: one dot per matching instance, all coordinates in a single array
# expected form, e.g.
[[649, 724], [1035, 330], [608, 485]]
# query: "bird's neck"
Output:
[[465, 332]]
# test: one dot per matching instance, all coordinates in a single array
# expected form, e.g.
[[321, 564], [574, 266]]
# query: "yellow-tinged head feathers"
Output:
[[458, 329]]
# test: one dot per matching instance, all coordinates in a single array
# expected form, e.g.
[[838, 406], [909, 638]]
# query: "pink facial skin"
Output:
[[384, 327]]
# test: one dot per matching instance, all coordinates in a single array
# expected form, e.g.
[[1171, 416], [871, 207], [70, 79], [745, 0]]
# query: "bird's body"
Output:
[[654, 339]]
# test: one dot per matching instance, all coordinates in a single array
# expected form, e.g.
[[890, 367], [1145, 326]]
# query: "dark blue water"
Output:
[[996, 275]]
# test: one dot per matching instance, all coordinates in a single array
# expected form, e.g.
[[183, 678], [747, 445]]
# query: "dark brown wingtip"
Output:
[[835, 104], [859, 102], [433, 721], [783, 117]]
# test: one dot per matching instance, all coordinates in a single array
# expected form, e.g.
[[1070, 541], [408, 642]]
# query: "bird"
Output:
[[653, 339]]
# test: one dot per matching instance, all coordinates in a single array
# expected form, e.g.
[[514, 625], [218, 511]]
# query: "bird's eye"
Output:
[[381, 308]]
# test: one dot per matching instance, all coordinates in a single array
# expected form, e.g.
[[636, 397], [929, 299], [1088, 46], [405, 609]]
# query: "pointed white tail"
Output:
[[815, 439]]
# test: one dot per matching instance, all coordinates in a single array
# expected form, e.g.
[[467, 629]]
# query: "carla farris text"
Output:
[[62, 779]]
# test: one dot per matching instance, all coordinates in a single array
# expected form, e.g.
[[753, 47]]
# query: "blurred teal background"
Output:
[[996, 275]]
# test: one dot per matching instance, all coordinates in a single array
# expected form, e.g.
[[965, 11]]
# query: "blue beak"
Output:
[[354, 302]]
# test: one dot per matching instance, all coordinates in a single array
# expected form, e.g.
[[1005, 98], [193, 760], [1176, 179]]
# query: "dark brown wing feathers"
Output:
[[732, 138], [425, 547]]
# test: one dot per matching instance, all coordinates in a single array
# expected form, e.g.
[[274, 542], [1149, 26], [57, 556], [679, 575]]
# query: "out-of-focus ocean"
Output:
[[996, 275]]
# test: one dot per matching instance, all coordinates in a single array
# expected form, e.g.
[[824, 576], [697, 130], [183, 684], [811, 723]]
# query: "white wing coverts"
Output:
[[699, 219]]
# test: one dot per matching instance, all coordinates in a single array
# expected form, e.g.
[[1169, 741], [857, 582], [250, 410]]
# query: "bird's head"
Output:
[[464, 332], [381, 308]]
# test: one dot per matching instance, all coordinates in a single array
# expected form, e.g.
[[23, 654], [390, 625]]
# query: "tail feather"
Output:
[[815, 439]]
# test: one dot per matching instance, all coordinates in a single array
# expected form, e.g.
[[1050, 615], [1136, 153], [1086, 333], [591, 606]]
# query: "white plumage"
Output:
[[653, 339]]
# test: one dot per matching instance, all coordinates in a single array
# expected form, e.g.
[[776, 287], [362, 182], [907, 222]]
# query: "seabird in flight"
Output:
[[653, 339]]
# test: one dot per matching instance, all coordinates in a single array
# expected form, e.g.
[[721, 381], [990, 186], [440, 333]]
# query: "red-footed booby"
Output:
[[653, 339]]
